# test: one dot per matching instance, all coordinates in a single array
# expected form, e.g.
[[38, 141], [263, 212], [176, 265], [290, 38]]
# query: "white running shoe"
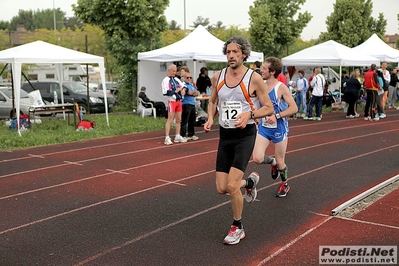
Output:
[[234, 236], [357, 114], [251, 193], [194, 137], [180, 139], [382, 115], [168, 141]]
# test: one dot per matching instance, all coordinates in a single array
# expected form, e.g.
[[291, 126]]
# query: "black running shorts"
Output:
[[235, 148]]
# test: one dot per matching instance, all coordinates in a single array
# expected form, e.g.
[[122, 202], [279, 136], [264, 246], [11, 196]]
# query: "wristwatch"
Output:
[[278, 116], [252, 114]]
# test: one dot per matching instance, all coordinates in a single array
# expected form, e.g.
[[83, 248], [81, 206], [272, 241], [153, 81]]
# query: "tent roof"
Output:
[[198, 45], [376, 47], [329, 53], [42, 52]]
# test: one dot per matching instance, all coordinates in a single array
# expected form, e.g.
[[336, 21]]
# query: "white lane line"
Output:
[[367, 222], [117, 172], [105, 174], [35, 156], [292, 242], [99, 203], [126, 153], [172, 182], [72, 163], [140, 140], [160, 229]]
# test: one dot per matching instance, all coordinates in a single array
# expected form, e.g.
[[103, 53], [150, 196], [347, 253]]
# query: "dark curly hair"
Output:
[[242, 43]]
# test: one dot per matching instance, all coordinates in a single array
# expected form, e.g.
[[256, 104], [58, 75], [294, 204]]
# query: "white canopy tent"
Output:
[[329, 53], [376, 47], [198, 47], [42, 52]]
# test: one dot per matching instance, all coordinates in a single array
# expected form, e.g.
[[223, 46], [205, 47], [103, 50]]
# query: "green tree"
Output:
[[273, 27], [39, 19], [173, 25], [351, 23], [219, 25], [200, 21], [5, 25], [129, 27]]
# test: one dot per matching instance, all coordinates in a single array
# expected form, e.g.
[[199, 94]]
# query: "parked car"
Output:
[[112, 87], [73, 92], [6, 103]]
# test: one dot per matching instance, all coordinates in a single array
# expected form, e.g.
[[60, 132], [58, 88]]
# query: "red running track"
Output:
[[131, 200]]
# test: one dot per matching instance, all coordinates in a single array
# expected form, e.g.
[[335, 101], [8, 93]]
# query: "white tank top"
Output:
[[234, 100]]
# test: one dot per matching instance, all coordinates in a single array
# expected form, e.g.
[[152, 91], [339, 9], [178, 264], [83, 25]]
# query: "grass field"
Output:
[[56, 130]]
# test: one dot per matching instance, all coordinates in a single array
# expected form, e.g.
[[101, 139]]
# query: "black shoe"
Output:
[[283, 190]]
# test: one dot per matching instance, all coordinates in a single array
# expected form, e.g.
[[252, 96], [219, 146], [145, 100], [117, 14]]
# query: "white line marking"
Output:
[[292, 242], [72, 163], [367, 222], [172, 182], [99, 203], [150, 234], [117, 172], [36, 156], [105, 174]]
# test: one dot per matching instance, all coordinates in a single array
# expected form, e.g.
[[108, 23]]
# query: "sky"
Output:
[[230, 12]]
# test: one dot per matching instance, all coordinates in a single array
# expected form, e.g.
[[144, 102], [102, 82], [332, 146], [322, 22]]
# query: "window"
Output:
[[33, 77], [50, 76]]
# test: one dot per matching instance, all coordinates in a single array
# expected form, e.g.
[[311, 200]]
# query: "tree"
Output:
[[200, 21], [173, 25], [129, 27], [273, 27], [5, 25], [219, 25], [351, 23], [39, 19]]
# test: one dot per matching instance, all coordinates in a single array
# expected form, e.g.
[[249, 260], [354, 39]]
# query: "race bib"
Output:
[[267, 125], [230, 111]]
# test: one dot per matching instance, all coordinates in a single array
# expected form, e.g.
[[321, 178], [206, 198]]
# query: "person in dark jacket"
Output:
[[352, 89], [159, 106], [203, 81], [392, 89]]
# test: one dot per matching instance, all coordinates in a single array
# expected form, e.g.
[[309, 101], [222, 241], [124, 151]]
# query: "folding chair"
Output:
[[144, 110]]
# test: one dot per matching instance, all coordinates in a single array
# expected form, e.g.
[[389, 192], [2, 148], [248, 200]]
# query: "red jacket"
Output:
[[371, 80]]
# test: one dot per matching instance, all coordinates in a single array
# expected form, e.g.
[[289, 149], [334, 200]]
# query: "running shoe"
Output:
[[251, 193], [275, 172], [376, 118], [382, 115], [357, 114], [168, 141], [317, 118], [282, 190], [368, 118], [180, 139], [192, 138], [306, 118], [350, 116], [234, 236]]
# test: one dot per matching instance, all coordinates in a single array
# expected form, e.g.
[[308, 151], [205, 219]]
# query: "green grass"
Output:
[[57, 130]]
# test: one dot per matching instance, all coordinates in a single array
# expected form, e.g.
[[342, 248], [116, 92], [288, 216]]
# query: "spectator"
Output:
[[188, 114], [344, 79], [302, 86], [318, 82], [352, 89], [257, 67], [159, 106], [173, 88], [392, 89], [380, 95], [203, 81], [371, 85], [387, 80]]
